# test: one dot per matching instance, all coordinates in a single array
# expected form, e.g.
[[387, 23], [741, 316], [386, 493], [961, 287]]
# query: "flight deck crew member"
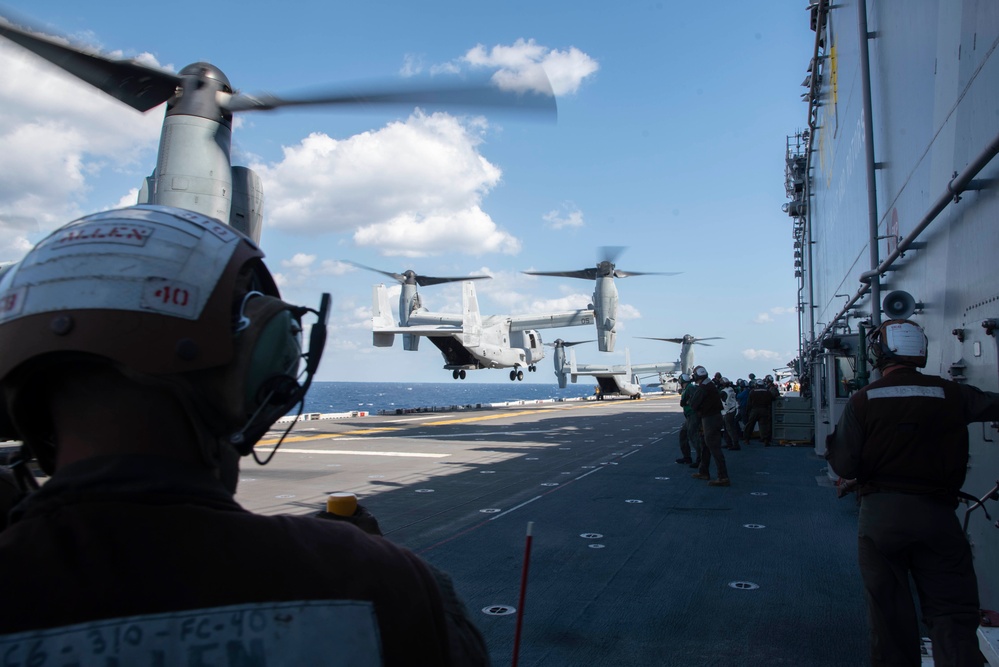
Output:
[[152, 351], [759, 402], [904, 439], [730, 406], [692, 424], [742, 396], [707, 405], [685, 389]]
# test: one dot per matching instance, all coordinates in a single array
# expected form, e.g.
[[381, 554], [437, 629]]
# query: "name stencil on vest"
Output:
[[339, 633]]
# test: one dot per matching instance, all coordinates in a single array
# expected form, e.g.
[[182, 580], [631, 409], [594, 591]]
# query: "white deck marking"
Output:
[[417, 455]]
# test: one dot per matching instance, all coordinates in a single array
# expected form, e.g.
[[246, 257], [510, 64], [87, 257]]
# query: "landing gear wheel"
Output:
[[520, 375], [532, 368], [454, 374], [513, 375], [461, 375]]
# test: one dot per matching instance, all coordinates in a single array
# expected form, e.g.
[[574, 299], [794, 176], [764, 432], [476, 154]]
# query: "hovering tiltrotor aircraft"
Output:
[[193, 168], [687, 342], [409, 296], [604, 292], [612, 379], [469, 340]]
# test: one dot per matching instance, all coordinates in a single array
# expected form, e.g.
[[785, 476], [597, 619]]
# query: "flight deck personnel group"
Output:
[[175, 356], [707, 405], [904, 440]]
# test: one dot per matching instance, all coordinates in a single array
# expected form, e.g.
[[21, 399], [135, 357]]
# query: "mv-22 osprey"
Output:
[[623, 379], [193, 167], [472, 341]]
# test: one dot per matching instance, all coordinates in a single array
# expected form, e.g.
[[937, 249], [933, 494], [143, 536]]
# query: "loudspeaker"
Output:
[[898, 305]]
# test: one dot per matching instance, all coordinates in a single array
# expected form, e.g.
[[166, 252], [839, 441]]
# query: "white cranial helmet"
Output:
[[156, 291]]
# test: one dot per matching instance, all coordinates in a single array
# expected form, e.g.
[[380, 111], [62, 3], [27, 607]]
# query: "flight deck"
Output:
[[632, 562]]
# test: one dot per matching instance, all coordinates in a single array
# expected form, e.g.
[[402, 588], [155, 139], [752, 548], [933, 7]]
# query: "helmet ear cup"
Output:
[[273, 361], [261, 385]]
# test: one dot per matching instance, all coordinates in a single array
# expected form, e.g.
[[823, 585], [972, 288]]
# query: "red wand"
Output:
[[523, 593]]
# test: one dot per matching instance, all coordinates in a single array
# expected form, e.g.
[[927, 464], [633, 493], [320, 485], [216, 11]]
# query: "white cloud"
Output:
[[57, 133], [527, 66], [768, 316], [412, 188], [567, 216], [128, 199], [301, 260], [626, 311], [767, 355], [301, 271]]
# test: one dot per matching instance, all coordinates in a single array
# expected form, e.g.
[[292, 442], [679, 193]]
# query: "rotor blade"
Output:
[[424, 281], [697, 342], [668, 340], [408, 94], [625, 274], [136, 85], [610, 253], [711, 338], [395, 276], [568, 343], [587, 274]]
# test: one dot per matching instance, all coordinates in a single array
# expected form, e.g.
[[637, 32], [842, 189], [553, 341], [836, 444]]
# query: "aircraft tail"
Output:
[[471, 318], [381, 318]]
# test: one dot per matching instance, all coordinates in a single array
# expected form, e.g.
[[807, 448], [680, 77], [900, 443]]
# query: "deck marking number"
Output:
[[744, 585], [498, 610]]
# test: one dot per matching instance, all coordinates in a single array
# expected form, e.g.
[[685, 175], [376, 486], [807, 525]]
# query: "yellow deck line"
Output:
[[442, 422]]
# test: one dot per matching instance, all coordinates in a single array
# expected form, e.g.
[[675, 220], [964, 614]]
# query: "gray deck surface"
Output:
[[761, 573]]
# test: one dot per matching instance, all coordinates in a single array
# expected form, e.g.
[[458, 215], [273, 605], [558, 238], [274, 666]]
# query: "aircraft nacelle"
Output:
[[247, 212], [530, 342], [560, 367], [245, 205], [193, 169], [605, 306]]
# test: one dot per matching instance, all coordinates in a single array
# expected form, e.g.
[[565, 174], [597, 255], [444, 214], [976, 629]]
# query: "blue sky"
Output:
[[670, 141]]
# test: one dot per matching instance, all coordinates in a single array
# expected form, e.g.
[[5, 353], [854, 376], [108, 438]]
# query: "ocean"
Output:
[[374, 397]]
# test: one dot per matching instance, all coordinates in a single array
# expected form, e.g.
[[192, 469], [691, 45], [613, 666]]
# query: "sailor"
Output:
[[904, 440], [685, 390], [759, 404], [707, 404], [742, 396], [145, 350], [772, 386], [730, 406]]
